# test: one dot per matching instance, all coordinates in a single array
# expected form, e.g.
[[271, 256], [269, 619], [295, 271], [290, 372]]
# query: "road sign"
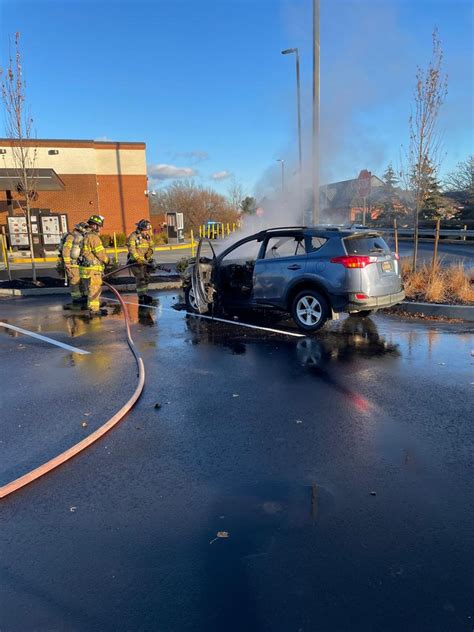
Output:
[[363, 183]]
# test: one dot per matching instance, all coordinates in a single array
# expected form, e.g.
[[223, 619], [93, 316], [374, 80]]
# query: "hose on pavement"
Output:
[[58, 460]]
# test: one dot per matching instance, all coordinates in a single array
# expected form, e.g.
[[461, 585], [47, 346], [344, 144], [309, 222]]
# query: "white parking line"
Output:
[[222, 320], [51, 341]]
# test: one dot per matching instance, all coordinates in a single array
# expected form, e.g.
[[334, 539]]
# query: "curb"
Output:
[[53, 291], [458, 312]]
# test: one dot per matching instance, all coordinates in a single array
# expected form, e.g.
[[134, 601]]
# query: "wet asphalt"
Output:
[[313, 484]]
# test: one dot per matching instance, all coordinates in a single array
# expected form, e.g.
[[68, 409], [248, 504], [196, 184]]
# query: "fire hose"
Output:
[[131, 265], [58, 460]]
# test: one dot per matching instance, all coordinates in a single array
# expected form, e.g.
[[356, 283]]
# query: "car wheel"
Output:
[[190, 301], [310, 310], [363, 313]]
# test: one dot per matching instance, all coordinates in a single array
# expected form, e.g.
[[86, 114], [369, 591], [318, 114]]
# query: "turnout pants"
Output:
[[142, 278], [93, 283], [75, 283]]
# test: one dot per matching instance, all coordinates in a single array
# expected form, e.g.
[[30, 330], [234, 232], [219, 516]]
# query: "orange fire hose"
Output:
[[16, 484]]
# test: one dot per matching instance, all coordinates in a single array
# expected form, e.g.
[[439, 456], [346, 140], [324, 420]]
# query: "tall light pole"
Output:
[[282, 175], [316, 154], [289, 51]]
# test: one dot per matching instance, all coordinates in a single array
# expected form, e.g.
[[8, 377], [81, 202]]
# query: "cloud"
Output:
[[194, 156], [169, 172], [221, 175]]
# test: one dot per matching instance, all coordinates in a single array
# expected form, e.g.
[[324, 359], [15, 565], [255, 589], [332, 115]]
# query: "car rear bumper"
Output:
[[373, 302]]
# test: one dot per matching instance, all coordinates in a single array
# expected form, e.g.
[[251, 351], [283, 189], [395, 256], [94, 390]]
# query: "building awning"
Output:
[[43, 180]]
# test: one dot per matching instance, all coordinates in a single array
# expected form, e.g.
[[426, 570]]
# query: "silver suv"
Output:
[[312, 273]]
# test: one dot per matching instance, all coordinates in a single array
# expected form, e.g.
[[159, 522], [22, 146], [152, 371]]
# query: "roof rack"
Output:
[[284, 227]]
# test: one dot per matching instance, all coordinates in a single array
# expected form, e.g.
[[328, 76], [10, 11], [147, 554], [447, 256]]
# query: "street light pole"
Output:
[[316, 154], [282, 175], [289, 51]]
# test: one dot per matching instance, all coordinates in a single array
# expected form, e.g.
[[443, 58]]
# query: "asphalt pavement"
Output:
[[306, 484]]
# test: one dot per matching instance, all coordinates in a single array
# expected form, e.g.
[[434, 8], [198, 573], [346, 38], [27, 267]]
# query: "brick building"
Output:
[[82, 177]]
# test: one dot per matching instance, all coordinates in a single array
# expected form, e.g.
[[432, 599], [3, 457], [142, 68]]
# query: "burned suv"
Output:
[[312, 273]]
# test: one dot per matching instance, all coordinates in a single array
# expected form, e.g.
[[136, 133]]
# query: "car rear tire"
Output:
[[190, 301], [310, 310]]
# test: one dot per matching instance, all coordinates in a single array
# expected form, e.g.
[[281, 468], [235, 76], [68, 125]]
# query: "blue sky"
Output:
[[203, 82]]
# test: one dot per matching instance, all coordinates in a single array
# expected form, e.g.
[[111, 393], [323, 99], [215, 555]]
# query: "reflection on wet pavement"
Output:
[[354, 337]]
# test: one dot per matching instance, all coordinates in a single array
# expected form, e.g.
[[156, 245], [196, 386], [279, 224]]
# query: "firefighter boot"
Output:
[[97, 312]]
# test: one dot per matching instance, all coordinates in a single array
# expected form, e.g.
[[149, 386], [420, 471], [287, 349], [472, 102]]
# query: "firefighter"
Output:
[[69, 252], [140, 252], [92, 262]]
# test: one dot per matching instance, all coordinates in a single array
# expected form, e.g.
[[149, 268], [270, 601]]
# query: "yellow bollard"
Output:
[[5, 255], [192, 242], [233, 227], [115, 248], [200, 231], [213, 231], [208, 231], [228, 229]]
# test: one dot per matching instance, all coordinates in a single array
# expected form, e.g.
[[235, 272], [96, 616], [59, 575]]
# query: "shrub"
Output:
[[106, 240], [448, 284], [160, 239], [121, 239]]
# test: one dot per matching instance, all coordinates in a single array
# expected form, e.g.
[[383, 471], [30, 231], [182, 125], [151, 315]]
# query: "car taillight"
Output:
[[352, 261]]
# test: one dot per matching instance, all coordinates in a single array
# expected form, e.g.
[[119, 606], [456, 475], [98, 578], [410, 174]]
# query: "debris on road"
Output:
[[72, 509], [373, 493], [157, 405], [235, 395], [299, 421], [84, 424], [219, 535]]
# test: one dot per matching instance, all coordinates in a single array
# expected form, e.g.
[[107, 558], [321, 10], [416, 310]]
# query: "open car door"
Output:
[[202, 288]]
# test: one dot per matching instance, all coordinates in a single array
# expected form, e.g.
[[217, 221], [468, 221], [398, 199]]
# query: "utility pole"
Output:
[[316, 153], [282, 175], [288, 51]]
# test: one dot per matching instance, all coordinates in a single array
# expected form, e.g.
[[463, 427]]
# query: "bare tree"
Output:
[[462, 179], [235, 194], [18, 127], [424, 149], [459, 185], [198, 204]]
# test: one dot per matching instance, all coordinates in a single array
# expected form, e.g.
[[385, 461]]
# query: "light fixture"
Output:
[[3, 151], [53, 152]]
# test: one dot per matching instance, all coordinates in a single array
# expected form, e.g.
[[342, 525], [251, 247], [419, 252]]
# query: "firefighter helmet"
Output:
[[82, 227], [144, 224], [98, 220]]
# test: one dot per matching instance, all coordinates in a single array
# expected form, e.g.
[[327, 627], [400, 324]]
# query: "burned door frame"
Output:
[[241, 298]]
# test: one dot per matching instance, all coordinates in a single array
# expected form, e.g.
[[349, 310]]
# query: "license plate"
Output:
[[387, 266]]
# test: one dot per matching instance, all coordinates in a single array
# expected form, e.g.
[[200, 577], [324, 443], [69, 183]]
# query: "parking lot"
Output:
[[282, 483]]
